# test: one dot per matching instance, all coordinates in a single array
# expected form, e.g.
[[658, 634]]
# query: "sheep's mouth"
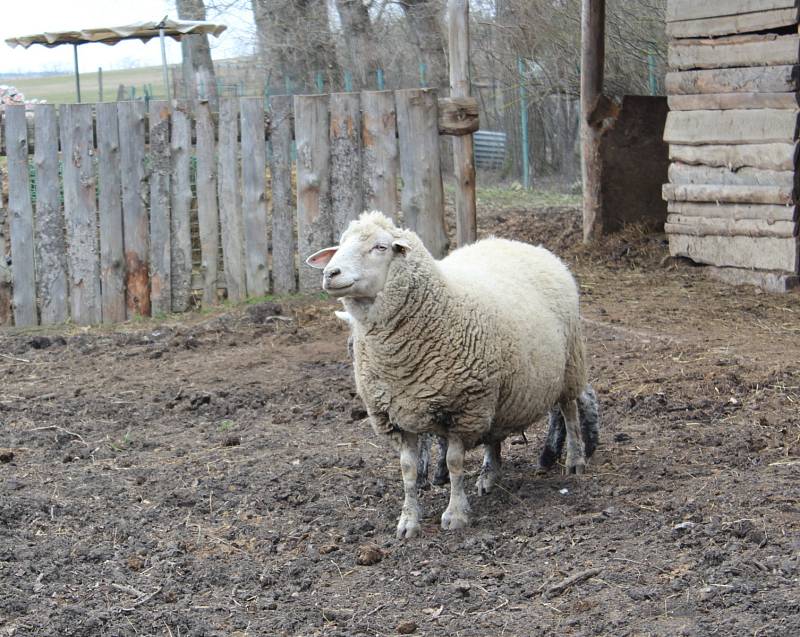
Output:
[[339, 288]]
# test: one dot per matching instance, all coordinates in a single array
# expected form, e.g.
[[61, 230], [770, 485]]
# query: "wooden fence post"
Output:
[[593, 17], [422, 194], [463, 158], [283, 214], [207, 210], [80, 212], [20, 213], [6, 312], [181, 201], [345, 139], [230, 202], [314, 220], [51, 246], [379, 159], [112, 250], [160, 246], [254, 192], [131, 117]]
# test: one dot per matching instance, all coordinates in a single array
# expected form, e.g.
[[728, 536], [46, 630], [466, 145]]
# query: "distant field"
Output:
[[60, 89]]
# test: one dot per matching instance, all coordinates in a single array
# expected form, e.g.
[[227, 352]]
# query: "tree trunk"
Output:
[[294, 42], [424, 21], [359, 40], [198, 70]]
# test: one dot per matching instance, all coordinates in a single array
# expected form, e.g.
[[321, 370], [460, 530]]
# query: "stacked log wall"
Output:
[[732, 132]]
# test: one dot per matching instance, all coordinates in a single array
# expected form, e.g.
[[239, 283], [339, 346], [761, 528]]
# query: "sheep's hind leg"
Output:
[[408, 524], [456, 516], [576, 460], [490, 471], [423, 460], [441, 476]]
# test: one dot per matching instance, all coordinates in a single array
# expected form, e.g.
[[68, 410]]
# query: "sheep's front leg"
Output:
[[456, 516], [408, 524], [490, 471], [576, 460]]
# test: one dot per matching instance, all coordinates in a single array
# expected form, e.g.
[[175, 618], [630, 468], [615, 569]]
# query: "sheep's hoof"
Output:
[[407, 527], [486, 482], [578, 467], [453, 521]]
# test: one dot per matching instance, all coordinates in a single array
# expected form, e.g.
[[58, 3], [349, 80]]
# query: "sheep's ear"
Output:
[[320, 259], [401, 245]]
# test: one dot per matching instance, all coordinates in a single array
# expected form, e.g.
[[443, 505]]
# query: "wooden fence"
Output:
[[114, 227]]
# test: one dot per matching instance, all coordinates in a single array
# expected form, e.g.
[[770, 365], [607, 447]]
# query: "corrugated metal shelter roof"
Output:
[[143, 31]]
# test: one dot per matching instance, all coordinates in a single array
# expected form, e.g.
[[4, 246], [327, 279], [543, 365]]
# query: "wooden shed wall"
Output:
[[733, 134]]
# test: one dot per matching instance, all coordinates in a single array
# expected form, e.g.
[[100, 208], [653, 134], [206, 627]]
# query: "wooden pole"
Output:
[[593, 16], [77, 72], [523, 123], [463, 158]]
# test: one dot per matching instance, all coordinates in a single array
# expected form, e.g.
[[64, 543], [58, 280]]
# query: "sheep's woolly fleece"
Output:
[[480, 344]]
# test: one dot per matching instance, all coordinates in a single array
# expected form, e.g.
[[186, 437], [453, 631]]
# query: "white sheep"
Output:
[[472, 348]]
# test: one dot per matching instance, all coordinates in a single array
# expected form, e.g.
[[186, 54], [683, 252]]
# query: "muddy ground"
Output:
[[212, 475]]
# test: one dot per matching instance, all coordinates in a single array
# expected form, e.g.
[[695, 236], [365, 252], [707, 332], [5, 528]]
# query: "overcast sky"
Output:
[[27, 17]]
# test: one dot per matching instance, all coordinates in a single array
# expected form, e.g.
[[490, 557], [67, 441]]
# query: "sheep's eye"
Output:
[[379, 247]]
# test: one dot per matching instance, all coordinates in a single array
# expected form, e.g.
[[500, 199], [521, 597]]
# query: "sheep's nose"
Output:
[[329, 274]]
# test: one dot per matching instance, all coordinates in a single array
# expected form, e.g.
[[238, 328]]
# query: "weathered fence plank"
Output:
[[345, 140], [20, 212], [694, 10], [759, 79], [112, 250], [680, 173], [284, 271], [734, 51], [207, 210], [51, 246], [181, 201], [713, 226], [731, 101], [735, 156], [314, 219], [379, 152], [731, 127], [80, 212], [254, 196], [733, 211], [6, 301], [422, 195], [160, 170], [135, 224], [230, 201], [742, 23], [729, 194], [766, 253]]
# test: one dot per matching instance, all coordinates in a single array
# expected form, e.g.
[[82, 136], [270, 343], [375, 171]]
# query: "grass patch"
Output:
[[519, 198], [60, 89]]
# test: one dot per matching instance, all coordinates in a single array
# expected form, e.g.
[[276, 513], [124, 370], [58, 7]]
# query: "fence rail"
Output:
[[102, 222]]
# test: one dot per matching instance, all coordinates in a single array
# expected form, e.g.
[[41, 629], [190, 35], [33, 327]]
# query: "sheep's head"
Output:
[[357, 268]]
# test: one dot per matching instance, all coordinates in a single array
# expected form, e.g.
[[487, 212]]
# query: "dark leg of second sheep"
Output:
[[588, 412]]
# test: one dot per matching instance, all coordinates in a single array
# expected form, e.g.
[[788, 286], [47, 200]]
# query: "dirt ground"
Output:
[[213, 475]]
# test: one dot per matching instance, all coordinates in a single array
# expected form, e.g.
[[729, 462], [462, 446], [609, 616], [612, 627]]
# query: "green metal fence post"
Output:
[[348, 81], [319, 81], [379, 78], [423, 69], [523, 121], [651, 73]]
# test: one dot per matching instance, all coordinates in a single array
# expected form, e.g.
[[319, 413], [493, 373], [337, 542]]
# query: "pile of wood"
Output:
[[733, 130]]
